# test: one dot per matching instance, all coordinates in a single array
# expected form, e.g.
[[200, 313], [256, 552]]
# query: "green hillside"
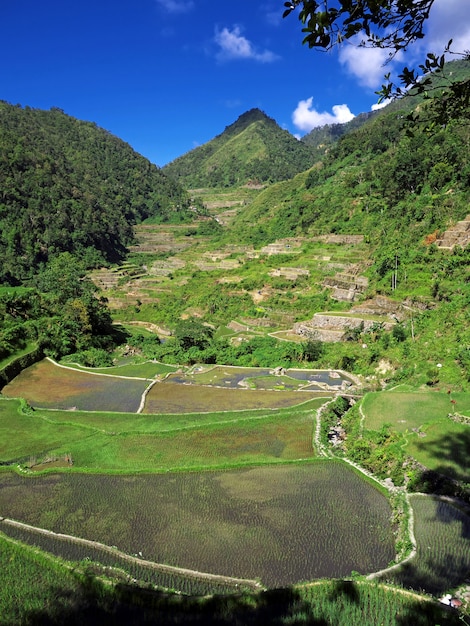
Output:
[[339, 269], [361, 234], [68, 185], [322, 138], [254, 149], [454, 73], [374, 178]]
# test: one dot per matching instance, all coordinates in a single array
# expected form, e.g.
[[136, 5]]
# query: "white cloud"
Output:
[[175, 6], [380, 105], [449, 19], [305, 117], [368, 65], [233, 45]]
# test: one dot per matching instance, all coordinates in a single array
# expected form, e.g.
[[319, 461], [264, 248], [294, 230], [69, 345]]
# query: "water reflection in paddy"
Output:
[[234, 377]]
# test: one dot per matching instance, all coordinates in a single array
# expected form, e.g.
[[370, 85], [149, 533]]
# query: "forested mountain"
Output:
[[322, 137], [379, 180], [252, 149], [67, 185], [70, 187]]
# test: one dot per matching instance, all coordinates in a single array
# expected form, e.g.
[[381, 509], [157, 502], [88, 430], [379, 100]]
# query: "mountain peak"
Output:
[[254, 147], [246, 119]]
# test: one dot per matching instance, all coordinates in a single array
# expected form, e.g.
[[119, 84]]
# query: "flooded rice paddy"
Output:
[[48, 385], [281, 524]]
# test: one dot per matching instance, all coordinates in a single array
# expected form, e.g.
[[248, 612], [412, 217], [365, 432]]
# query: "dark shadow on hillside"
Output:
[[347, 589], [120, 334], [432, 576], [447, 515], [427, 615], [444, 478], [97, 605], [93, 605]]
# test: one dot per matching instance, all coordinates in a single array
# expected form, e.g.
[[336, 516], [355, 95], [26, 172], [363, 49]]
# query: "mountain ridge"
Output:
[[68, 185], [252, 149]]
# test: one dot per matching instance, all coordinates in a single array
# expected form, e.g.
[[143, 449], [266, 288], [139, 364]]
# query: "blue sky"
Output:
[[169, 75]]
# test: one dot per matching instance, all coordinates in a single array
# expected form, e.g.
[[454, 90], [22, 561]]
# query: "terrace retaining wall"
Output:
[[14, 367], [331, 328]]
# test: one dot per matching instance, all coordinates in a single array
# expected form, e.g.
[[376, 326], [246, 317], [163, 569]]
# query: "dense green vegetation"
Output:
[[227, 283], [62, 314], [68, 185], [375, 180], [322, 138], [254, 149]]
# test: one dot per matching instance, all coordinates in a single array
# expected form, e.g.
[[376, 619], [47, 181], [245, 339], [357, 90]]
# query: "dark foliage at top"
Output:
[[252, 149], [67, 185], [392, 26]]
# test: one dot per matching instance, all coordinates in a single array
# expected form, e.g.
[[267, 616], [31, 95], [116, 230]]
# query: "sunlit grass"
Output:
[[149, 369], [408, 410], [443, 446], [264, 439], [129, 442], [430, 435], [23, 436]]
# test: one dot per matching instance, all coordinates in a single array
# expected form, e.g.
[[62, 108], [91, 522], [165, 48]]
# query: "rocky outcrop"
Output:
[[379, 305], [290, 245], [340, 239], [291, 273]]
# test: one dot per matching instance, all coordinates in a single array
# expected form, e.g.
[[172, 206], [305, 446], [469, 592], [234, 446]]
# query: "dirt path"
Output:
[[323, 451]]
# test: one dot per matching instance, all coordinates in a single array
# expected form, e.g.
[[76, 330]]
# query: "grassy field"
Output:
[[148, 369], [24, 436], [408, 410], [129, 443], [265, 440], [443, 446], [431, 437]]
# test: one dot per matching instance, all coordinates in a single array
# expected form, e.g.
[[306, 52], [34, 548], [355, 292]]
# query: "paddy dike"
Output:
[[205, 389], [277, 524]]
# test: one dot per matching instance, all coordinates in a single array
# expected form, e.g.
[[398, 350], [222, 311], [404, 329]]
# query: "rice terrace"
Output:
[[213, 479]]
